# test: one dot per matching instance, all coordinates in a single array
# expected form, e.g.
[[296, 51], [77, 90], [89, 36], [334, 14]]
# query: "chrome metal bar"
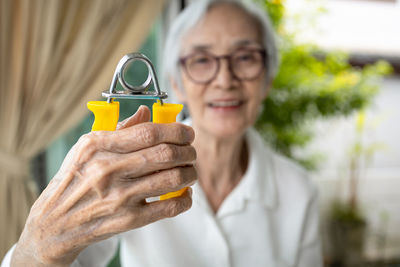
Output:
[[134, 92]]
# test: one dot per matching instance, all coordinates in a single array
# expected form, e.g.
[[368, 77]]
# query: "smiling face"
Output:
[[225, 106]]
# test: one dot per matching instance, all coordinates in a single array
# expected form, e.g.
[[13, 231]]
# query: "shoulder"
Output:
[[291, 180]]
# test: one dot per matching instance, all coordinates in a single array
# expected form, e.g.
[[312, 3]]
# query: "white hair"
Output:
[[192, 14]]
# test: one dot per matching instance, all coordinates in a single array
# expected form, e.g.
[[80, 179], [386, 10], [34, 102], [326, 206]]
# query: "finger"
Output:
[[159, 183], [131, 194], [131, 139], [168, 208], [114, 167], [145, 135], [148, 213], [142, 115], [149, 134]]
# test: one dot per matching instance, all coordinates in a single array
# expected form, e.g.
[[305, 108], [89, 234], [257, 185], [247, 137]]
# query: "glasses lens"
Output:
[[201, 67], [247, 64]]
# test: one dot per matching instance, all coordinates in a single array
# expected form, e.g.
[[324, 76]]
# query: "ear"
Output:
[[178, 91]]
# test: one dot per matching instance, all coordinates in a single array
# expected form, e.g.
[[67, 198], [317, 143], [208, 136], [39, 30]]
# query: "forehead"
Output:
[[224, 27]]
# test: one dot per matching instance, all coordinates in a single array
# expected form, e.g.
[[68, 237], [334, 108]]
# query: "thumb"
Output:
[[141, 115]]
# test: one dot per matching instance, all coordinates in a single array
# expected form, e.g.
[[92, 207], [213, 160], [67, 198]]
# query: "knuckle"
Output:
[[148, 134], [167, 152], [87, 141], [86, 147], [100, 168], [177, 178], [115, 206], [174, 208], [177, 206], [125, 196], [141, 161]]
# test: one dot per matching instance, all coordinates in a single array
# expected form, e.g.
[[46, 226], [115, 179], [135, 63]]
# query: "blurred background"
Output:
[[333, 106]]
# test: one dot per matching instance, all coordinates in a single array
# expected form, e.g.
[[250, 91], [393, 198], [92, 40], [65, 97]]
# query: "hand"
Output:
[[101, 187]]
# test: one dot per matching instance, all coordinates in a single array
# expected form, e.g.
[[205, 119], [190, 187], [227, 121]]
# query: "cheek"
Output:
[[255, 101], [193, 96], [253, 110], [191, 90], [257, 93]]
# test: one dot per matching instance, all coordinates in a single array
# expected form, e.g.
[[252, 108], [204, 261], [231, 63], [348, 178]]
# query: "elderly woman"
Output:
[[251, 207]]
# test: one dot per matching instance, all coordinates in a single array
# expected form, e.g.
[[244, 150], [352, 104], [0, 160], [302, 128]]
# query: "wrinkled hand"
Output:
[[101, 187]]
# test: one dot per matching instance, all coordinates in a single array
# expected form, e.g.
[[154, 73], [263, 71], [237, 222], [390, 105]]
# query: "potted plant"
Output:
[[347, 222], [314, 84]]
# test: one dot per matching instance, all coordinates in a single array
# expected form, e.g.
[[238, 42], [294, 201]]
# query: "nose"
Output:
[[225, 78]]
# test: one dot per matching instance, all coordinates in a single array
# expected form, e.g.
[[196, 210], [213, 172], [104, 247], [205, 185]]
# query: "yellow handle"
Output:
[[167, 113], [105, 115], [106, 118]]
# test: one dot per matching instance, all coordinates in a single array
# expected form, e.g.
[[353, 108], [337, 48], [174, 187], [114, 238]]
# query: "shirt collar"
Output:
[[258, 183], [259, 179]]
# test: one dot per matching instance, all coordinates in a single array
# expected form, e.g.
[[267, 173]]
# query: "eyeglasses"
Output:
[[244, 64]]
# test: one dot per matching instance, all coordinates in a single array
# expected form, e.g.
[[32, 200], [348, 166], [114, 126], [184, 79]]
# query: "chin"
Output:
[[226, 130]]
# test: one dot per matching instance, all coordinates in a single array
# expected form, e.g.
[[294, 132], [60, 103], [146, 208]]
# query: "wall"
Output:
[[361, 26], [364, 28], [380, 178]]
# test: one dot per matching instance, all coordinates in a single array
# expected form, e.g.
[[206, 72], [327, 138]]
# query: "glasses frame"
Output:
[[229, 58]]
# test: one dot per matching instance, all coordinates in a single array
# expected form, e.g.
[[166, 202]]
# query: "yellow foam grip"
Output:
[[167, 113], [105, 115], [106, 118]]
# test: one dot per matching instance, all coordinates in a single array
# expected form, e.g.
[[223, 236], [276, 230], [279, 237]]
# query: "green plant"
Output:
[[346, 214], [347, 222], [360, 156], [311, 84], [315, 84]]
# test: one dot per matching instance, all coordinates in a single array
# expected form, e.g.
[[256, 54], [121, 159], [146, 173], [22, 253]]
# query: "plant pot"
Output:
[[347, 238]]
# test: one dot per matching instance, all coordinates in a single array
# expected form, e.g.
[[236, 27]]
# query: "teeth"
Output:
[[225, 103]]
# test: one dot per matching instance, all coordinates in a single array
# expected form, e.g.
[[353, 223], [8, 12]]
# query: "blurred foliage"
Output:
[[361, 153], [346, 214], [275, 10], [311, 84]]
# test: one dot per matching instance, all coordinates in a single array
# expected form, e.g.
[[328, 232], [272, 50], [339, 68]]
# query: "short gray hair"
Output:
[[191, 15]]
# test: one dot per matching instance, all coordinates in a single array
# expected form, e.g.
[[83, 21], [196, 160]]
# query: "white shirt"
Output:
[[269, 219]]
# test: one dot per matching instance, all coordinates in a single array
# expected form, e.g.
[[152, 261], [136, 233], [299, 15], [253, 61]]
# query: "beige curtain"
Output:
[[55, 55]]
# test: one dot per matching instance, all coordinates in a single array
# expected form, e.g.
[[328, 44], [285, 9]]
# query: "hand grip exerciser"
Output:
[[106, 113]]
